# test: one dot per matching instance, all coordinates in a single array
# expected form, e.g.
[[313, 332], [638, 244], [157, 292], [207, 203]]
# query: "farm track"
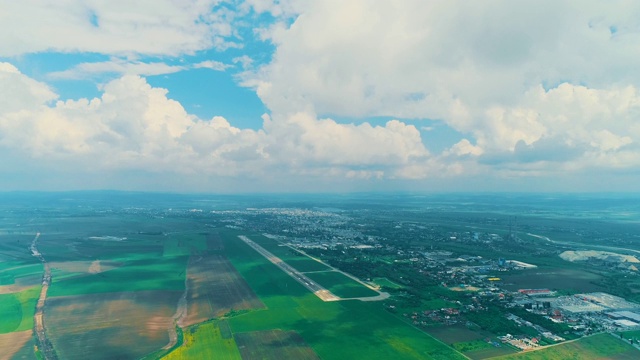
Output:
[[43, 344]]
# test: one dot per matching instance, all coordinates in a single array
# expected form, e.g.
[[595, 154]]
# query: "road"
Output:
[[44, 345]]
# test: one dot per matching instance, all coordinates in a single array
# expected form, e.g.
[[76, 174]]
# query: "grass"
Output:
[[474, 345], [384, 282], [206, 341], [305, 264], [360, 330], [17, 310], [341, 285], [601, 346]]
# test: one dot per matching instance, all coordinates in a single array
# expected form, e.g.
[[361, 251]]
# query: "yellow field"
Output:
[[206, 341]]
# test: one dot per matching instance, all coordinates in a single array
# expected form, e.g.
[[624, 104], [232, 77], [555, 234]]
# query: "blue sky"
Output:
[[296, 95]]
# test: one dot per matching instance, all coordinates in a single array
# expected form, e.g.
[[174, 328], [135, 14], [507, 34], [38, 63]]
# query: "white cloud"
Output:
[[213, 65], [127, 67], [151, 27], [135, 127], [534, 88], [19, 92], [481, 68], [116, 66]]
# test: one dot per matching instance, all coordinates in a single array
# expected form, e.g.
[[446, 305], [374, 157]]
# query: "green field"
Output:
[[17, 310], [152, 273], [341, 285], [359, 329], [206, 341], [13, 272], [601, 346], [274, 344]]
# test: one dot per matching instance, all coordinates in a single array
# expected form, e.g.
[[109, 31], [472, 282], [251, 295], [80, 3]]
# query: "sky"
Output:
[[320, 96]]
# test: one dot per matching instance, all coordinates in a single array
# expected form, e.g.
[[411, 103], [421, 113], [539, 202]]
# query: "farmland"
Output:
[[274, 344], [169, 277], [206, 341], [601, 346], [110, 325], [214, 288]]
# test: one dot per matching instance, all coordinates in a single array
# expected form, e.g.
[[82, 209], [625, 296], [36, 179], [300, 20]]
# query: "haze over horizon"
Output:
[[320, 96]]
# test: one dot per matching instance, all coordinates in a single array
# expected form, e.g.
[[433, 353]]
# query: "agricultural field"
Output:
[[17, 345], [601, 346], [169, 278], [110, 325], [210, 340], [214, 288], [17, 310], [274, 345]]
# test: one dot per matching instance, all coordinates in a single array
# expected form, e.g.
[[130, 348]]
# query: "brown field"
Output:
[[90, 267], [11, 343], [110, 325], [10, 289], [214, 287], [273, 344]]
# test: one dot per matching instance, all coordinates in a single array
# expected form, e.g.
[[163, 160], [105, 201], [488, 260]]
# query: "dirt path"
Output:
[[179, 316]]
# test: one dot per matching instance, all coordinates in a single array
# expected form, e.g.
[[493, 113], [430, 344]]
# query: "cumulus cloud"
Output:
[[526, 83], [134, 126]]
